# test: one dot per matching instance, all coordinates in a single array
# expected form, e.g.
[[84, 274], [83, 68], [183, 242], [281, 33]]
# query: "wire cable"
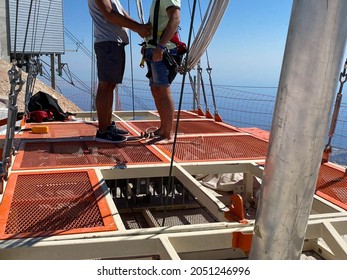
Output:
[[171, 181]]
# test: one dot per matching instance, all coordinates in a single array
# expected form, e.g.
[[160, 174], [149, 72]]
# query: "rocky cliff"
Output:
[[64, 103]]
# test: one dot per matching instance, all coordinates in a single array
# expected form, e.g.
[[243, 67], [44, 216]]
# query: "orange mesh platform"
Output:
[[62, 130], [187, 115], [332, 185], [188, 127], [52, 203], [263, 134], [48, 203], [206, 148], [83, 153], [184, 115]]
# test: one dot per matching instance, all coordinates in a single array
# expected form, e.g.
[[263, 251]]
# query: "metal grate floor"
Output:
[[172, 218], [207, 148], [36, 155], [40, 201], [332, 185], [52, 203], [188, 126]]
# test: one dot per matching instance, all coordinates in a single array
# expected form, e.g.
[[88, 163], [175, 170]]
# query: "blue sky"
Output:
[[247, 48]]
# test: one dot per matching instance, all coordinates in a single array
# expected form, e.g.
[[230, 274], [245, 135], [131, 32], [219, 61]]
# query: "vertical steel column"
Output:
[[53, 81], [312, 60], [4, 29]]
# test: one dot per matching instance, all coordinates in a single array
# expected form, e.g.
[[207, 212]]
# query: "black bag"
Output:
[[42, 101], [171, 64]]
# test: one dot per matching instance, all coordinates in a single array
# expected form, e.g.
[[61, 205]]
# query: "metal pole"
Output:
[[313, 56], [4, 26], [53, 83]]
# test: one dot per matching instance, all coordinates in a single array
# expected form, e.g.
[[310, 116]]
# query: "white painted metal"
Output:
[[168, 242]]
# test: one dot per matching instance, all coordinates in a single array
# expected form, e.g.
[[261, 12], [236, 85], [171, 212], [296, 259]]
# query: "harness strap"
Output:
[[155, 24]]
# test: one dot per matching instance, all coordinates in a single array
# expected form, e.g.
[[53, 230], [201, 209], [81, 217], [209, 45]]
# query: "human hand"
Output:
[[157, 55], [144, 30]]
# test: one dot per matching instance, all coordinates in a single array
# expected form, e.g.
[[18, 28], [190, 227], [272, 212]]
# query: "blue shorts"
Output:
[[110, 57], [157, 71]]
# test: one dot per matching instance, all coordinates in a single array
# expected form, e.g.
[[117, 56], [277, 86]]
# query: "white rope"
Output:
[[207, 30], [140, 11]]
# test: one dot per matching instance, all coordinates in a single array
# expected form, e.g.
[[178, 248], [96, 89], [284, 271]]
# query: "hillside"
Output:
[[64, 103]]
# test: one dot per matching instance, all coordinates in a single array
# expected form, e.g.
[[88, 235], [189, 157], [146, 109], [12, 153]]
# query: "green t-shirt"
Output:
[[162, 18]]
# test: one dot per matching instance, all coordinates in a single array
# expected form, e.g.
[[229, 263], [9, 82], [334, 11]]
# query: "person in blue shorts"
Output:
[[168, 22]]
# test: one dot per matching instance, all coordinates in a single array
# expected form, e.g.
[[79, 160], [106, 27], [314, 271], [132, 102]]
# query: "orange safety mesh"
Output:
[[63, 130], [53, 203], [332, 183], [186, 115], [218, 148], [188, 127], [82, 153]]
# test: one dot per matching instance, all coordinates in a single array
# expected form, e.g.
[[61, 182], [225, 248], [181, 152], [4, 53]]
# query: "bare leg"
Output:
[[165, 106], [104, 102]]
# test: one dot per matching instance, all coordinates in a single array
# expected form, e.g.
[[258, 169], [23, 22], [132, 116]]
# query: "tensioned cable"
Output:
[[140, 11], [194, 89], [16, 30], [80, 44], [203, 87], [34, 27], [209, 70], [92, 57], [131, 66], [170, 182], [86, 87], [45, 25], [27, 28], [195, 97], [71, 75], [210, 22], [34, 37], [203, 20], [139, 101], [31, 74], [33, 64], [92, 75]]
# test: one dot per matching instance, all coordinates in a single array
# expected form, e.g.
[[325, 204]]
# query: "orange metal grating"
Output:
[[188, 127], [43, 204], [62, 130], [83, 153], [206, 148], [187, 115], [46, 204], [332, 185], [260, 133]]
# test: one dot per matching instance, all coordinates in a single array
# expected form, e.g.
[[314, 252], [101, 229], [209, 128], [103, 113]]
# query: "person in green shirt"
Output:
[[168, 22]]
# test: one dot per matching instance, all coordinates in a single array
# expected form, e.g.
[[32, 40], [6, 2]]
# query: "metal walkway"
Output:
[[59, 181]]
